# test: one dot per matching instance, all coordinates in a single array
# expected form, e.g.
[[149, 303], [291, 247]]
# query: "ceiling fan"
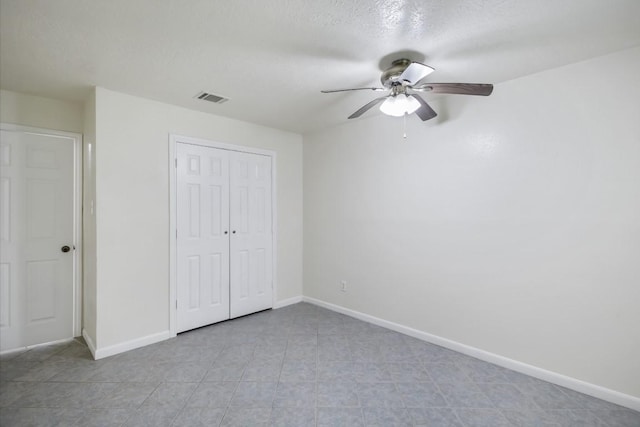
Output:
[[402, 79]]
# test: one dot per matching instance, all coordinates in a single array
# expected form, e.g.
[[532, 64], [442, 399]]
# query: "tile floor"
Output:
[[297, 366]]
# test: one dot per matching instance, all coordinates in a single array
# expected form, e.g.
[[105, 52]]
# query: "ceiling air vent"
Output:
[[216, 99]]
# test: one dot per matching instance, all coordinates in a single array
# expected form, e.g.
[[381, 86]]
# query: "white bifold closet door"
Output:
[[251, 246], [224, 234]]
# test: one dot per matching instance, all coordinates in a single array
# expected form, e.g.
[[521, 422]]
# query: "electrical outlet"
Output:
[[343, 286]]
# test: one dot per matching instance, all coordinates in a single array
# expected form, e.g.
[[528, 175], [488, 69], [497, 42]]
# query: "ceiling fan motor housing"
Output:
[[390, 76]]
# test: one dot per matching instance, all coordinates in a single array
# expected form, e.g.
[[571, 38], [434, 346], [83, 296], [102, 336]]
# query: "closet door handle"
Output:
[[226, 232], [234, 231]]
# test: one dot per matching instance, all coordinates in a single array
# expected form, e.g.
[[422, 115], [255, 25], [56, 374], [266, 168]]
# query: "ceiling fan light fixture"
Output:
[[398, 105], [405, 76]]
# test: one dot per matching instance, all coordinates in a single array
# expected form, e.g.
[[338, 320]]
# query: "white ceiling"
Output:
[[272, 57]]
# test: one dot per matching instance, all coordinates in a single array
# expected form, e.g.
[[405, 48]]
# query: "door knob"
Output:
[[65, 248]]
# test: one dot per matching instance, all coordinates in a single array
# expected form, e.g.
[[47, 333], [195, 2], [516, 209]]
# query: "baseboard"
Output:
[[90, 343], [12, 350], [286, 302], [597, 391], [100, 353]]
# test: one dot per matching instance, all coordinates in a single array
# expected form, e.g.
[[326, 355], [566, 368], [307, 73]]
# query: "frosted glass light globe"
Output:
[[399, 105]]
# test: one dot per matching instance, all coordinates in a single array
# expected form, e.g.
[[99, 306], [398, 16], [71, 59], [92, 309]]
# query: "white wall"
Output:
[[132, 207], [36, 111], [510, 223]]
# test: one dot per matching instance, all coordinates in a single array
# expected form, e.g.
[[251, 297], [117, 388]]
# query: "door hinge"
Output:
[[175, 161], [176, 304]]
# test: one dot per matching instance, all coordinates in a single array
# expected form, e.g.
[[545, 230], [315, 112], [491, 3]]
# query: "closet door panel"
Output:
[[251, 234], [202, 236]]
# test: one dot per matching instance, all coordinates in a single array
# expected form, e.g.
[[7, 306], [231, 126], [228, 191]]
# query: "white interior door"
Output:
[[251, 234], [36, 222], [202, 241]]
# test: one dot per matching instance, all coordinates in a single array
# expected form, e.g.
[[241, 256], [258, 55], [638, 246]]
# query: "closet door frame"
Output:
[[173, 281]]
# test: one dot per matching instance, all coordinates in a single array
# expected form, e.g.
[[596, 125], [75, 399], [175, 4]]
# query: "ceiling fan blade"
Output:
[[415, 72], [425, 112], [457, 88], [367, 107], [377, 89]]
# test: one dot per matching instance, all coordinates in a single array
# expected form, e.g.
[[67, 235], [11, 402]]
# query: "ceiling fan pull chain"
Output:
[[405, 125]]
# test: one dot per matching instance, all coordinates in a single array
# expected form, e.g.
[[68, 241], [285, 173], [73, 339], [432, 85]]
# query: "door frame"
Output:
[[174, 139], [77, 213]]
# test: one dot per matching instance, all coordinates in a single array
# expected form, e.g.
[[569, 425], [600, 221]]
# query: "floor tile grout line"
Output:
[[184, 405], [228, 406]]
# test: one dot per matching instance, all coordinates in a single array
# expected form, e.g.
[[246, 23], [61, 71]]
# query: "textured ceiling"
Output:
[[272, 58]]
